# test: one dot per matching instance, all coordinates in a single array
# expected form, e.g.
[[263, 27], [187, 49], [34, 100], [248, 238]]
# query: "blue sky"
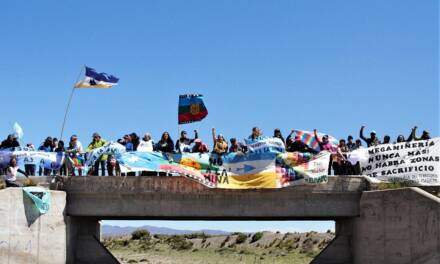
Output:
[[235, 226], [330, 65]]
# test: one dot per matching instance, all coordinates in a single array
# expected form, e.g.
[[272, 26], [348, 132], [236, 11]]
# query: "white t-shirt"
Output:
[[145, 146], [78, 146], [11, 173]]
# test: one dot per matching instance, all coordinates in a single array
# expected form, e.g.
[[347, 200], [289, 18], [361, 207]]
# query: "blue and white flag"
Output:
[[266, 144], [94, 79]]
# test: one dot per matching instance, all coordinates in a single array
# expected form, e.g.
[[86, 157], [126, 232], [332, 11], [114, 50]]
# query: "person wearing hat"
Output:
[[425, 135], [372, 140], [75, 151], [98, 142], [183, 143], [199, 146]]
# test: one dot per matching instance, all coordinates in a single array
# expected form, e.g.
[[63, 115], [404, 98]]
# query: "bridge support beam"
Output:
[[395, 226], [83, 242]]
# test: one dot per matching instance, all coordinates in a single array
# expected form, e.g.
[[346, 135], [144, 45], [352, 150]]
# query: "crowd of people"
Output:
[[185, 144]]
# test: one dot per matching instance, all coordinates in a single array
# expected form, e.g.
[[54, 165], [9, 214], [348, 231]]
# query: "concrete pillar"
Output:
[[26, 236], [84, 244], [395, 226], [339, 250]]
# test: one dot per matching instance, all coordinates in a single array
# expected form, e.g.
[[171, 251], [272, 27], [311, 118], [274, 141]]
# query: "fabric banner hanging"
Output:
[[40, 198]]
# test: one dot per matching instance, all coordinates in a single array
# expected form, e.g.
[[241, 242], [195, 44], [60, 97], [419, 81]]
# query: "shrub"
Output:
[[241, 238], [29, 182], [140, 234], [196, 235], [257, 236], [179, 243]]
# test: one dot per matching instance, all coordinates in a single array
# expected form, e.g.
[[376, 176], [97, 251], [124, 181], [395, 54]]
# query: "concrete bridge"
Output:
[[393, 226]]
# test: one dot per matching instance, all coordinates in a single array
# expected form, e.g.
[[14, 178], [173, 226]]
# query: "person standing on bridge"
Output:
[[183, 143], [10, 142], [60, 150], [386, 139], [29, 165], [324, 144], [425, 135], [199, 147], [98, 142], [220, 148], [277, 134], [128, 144], [372, 140], [75, 151], [165, 143], [297, 145], [146, 144], [350, 144], [45, 147], [257, 134], [236, 147], [135, 140]]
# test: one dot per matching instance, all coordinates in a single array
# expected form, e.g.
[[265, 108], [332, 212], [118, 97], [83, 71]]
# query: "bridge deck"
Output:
[[156, 197]]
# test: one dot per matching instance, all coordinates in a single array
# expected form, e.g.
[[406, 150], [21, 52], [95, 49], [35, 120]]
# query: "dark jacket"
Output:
[[299, 146], [165, 146], [413, 137], [9, 144], [186, 141], [370, 142]]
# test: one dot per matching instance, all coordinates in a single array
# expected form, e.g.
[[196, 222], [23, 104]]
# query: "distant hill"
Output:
[[109, 230]]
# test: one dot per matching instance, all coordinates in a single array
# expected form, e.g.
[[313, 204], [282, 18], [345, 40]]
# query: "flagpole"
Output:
[[178, 124], [69, 101]]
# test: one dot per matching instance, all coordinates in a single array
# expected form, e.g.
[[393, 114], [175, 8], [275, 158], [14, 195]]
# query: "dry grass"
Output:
[[268, 248]]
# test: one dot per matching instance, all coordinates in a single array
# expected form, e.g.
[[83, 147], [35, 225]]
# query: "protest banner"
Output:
[[47, 160], [270, 144], [252, 170], [112, 148], [415, 162]]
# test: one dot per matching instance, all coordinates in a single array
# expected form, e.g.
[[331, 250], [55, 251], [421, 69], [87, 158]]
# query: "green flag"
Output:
[[40, 197]]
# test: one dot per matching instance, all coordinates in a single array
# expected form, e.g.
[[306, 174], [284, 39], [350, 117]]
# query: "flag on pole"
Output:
[[191, 108], [94, 79], [18, 131]]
